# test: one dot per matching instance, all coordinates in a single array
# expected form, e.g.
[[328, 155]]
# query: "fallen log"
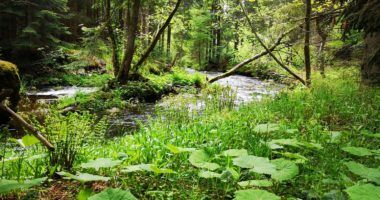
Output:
[[29, 127]]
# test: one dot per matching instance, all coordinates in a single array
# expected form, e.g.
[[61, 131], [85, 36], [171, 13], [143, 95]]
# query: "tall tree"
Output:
[[307, 42]]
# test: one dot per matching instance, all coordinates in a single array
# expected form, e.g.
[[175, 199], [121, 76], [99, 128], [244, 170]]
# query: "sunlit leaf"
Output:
[[29, 140], [255, 183], [136, 168], [200, 159], [363, 192], [7, 186], [298, 157], [358, 151], [177, 150], [235, 152], [209, 174], [255, 194], [285, 170], [101, 163], [256, 164], [372, 174], [157, 170], [83, 177], [113, 194], [266, 128]]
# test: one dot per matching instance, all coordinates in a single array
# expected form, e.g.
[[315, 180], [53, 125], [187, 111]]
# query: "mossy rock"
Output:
[[9, 81]]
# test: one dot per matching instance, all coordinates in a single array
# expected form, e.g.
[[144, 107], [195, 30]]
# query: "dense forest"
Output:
[[190, 99]]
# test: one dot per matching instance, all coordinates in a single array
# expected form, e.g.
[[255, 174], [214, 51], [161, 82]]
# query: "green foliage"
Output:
[[365, 191], [372, 174], [255, 194], [101, 163], [7, 186], [83, 177], [113, 194]]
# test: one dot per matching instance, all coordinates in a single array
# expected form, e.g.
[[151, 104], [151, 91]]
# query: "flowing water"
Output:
[[246, 88]]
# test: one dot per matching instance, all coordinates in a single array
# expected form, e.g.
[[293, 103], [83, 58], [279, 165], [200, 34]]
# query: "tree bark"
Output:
[[267, 49], [157, 37], [111, 34], [307, 43], [323, 36], [249, 60], [370, 69], [129, 50]]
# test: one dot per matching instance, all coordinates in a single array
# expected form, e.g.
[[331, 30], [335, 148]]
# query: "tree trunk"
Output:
[[111, 34], [132, 19], [370, 69], [157, 37], [307, 43], [168, 42], [323, 36]]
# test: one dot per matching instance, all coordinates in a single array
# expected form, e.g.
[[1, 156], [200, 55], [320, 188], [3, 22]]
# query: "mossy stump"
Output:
[[9, 88]]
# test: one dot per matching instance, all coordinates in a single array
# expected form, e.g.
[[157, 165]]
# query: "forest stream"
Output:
[[246, 89]]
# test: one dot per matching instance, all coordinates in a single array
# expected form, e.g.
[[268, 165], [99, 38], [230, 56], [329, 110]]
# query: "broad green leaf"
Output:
[[363, 192], [135, 168], [286, 142], [101, 163], [358, 151], [200, 159], [311, 145], [7, 186], [157, 170], [83, 177], [28, 140], [235, 152], [335, 136], [255, 194], [298, 157], [255, 183], [113, 194], [285, 170], [229, 174], [372, 174], [266, 128], [84, 194], [177, 150], [259, 165], [377, 152], [372, 135], [209, 174]]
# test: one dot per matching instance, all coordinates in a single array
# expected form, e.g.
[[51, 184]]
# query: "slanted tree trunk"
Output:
[[307, 43], [132, 17], [168, 42], [157, 37], [370, 69], [249, 60], [267, 49]]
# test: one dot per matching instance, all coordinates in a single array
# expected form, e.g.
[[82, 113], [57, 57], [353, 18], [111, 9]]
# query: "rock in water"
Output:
[[9, 88]]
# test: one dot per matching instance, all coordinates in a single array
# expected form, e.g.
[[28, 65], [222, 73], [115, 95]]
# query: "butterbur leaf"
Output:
[[255, 194], [299, 158], [286, 142], [7, 186], [200, 159], [255, 183], [101, 163], [259, 165], [113, 194], [358, 151], [209, 174], [229, 174], [235, 152], [83, 177], [157, 170], [28, 140], [177, 150], [136, 168], [372, 174], [361, 192], [266, 128], [285, 170]]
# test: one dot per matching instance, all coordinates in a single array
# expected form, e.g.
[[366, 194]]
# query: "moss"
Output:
[[9, 79]]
